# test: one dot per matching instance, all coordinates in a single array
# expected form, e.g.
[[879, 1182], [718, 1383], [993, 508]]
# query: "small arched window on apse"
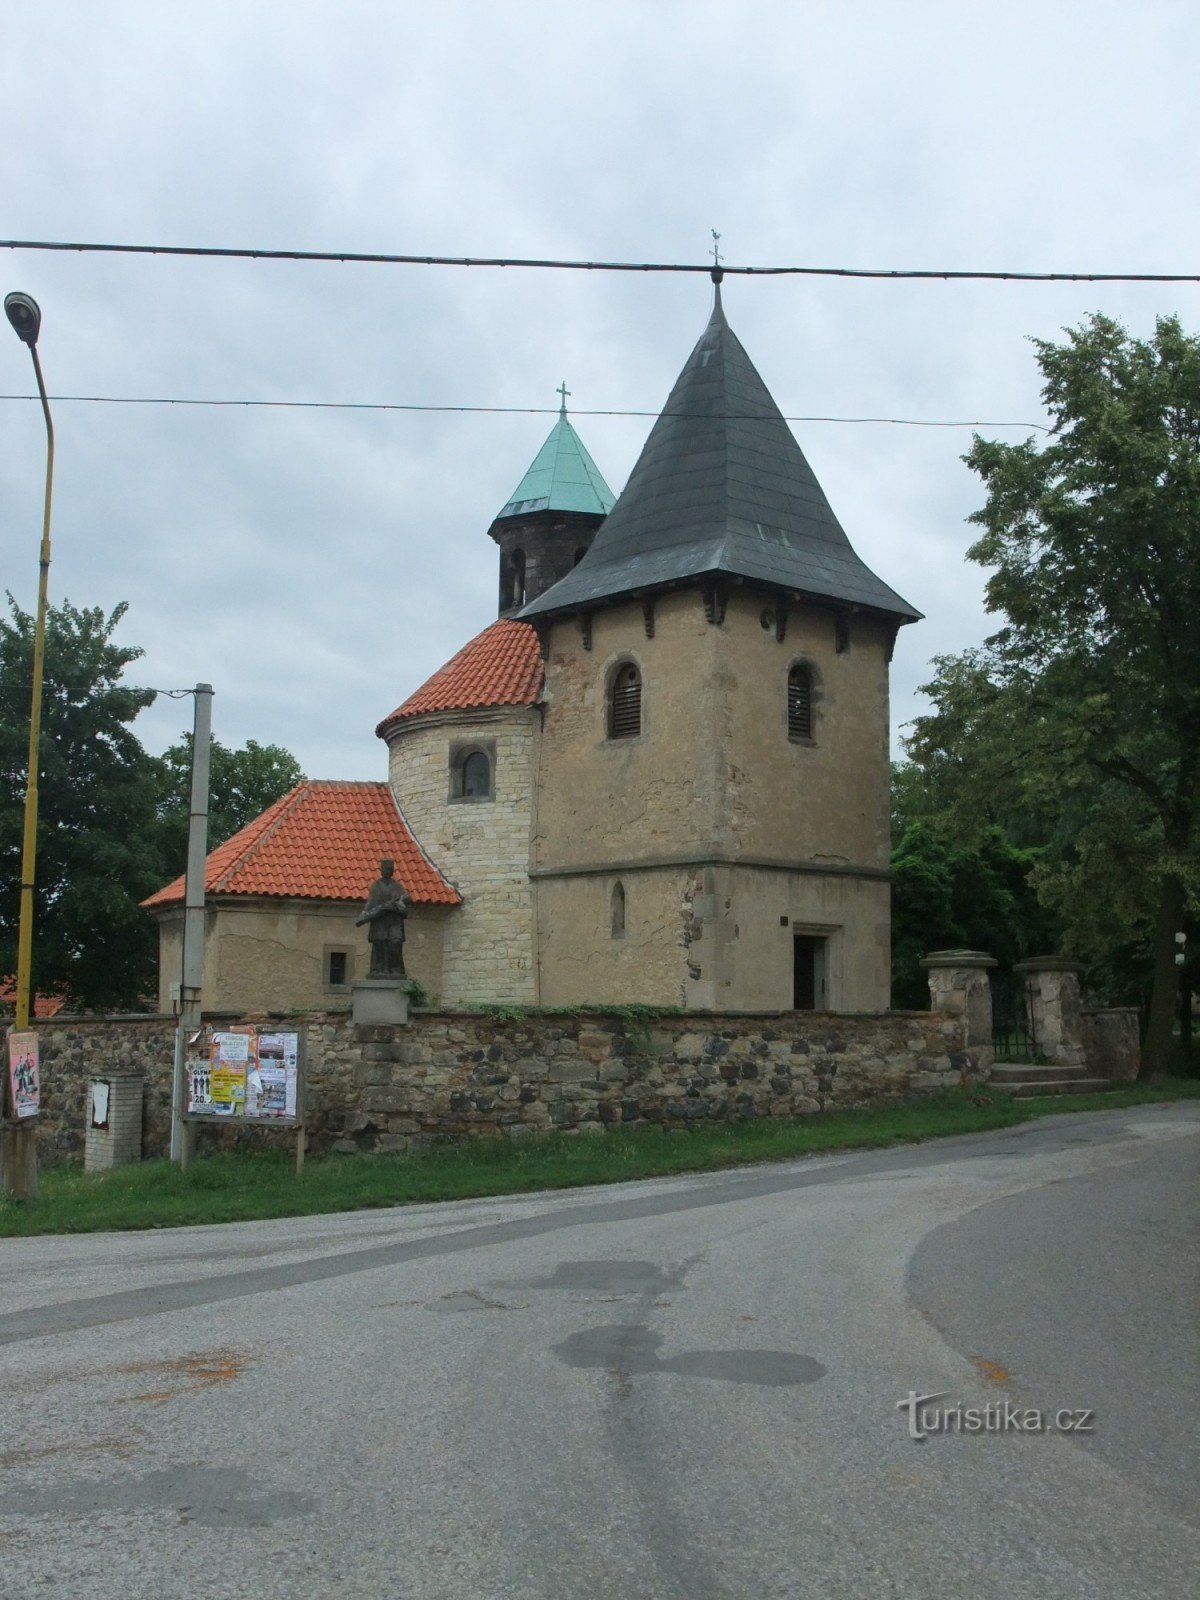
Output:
[[471, 775], [617, 909], [625, 703], [800, 702]]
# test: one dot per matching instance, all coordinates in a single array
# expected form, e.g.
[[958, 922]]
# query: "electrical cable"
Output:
[[373, 405], [374, 258]]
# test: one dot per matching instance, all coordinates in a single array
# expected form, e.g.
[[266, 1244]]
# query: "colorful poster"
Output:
[[242, 1073], [24, 1080], [232, 1060], [274, 1082]]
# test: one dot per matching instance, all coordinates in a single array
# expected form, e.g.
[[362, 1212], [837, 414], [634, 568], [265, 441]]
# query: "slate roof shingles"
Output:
[[721, 487]]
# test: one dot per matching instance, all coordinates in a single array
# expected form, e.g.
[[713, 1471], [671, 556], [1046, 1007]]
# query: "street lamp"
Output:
[[23, 312]]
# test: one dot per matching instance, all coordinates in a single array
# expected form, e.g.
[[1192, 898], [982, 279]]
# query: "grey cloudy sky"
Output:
[[316, 566]]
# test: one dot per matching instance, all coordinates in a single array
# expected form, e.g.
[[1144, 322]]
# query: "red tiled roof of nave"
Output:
[[321, 841], [502, 666]]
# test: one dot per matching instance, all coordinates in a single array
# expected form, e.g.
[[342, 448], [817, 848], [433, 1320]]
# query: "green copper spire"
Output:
[[563, 476]]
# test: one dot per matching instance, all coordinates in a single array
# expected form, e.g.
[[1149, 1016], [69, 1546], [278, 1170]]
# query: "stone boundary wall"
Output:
[[73, 1050], [450, 1074]]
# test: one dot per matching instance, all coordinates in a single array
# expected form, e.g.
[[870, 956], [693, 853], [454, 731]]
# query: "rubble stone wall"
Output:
[[453, 1074]]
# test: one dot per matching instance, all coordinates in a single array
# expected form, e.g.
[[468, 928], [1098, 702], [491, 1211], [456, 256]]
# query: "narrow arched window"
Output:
[[471, 775], [476, 775], [625, 703], [516, 578], [618, 911], [800, 703]]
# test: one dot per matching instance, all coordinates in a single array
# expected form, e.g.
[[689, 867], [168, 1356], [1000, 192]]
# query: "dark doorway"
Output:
[[808, 973]]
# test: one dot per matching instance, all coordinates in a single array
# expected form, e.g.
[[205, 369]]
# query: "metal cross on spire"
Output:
[[564, 392], [717, 272]]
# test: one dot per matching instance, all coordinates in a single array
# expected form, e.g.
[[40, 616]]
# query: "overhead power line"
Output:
[[373, 258], [524, 411]]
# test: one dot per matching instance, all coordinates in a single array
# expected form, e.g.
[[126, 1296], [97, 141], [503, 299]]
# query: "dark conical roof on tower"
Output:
[[721, 488]]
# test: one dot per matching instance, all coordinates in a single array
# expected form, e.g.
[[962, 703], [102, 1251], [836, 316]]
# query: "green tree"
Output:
[[1080, 719], [97, 854], [947, 895], [242, 784]]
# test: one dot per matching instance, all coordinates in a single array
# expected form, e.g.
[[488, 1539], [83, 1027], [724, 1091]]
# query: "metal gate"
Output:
[[1013, 1037]]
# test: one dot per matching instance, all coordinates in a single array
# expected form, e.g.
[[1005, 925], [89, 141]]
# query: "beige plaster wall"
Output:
[[650, 796], [713, 771], [709, 814], [824, 802], [581, 961], [745, 952], [269, 955], [482, 846], [712, 937]]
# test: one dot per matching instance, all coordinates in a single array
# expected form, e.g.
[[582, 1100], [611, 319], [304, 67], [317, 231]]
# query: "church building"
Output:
[[661, 776]]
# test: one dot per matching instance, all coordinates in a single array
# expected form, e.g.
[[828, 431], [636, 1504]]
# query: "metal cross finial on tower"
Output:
[[564, 392], [717, 273]]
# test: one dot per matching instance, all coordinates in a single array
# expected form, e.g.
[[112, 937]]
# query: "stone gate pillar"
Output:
[[1052, 984], [959, 984]]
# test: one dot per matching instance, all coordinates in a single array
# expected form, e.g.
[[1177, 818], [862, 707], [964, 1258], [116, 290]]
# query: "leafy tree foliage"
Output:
[[97, 842], [947, 895], [242, 784], [112, 819], [1077, 726]]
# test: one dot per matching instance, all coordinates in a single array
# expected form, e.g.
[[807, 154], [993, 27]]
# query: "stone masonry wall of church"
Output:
[[460, 1074], [712, 781], [482, 846], [824, 801]]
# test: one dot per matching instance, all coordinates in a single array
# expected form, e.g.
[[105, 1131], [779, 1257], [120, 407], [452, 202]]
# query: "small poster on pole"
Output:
[[24, 1079]]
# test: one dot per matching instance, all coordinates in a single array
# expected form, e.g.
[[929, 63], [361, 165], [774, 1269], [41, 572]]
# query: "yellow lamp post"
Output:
[[21, 1177]]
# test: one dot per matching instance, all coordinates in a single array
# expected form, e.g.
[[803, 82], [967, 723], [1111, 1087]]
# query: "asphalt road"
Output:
[[684, 1389]]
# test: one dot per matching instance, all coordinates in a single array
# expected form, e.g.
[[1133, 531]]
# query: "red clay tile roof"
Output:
[[44, 1005], [502, 666], [323, 841]]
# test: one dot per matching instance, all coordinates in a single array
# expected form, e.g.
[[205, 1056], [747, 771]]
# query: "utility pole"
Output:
[[18, 1149], [192, 965]]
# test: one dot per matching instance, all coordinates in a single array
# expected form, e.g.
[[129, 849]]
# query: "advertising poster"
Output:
[[233, 1058], [271, 1088], [24, 1081], [243, 1073]]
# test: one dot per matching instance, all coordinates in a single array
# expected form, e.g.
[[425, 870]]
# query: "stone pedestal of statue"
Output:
[[379, 1001]]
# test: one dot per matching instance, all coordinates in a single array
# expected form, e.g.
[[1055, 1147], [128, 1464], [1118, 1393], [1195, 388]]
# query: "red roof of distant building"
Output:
[[44, 1005], [323, 841], [502, 666]]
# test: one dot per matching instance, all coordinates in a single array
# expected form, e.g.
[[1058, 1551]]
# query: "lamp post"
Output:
[[26, 318]]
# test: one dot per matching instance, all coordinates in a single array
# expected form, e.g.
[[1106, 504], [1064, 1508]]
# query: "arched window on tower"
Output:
[[625, 703], [618, 911], [800, 702], [515, 592]]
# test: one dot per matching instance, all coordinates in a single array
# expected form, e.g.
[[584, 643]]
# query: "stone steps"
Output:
[[1023, 1080]]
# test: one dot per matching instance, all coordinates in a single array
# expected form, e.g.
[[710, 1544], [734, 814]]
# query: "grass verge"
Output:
[[251, 1186]]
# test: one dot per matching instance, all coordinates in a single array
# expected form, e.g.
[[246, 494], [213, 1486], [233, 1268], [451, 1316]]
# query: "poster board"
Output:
[[23, 1086], [251, 1075]]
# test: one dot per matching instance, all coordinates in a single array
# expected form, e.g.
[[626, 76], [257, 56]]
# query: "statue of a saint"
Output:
[[385, 911]]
